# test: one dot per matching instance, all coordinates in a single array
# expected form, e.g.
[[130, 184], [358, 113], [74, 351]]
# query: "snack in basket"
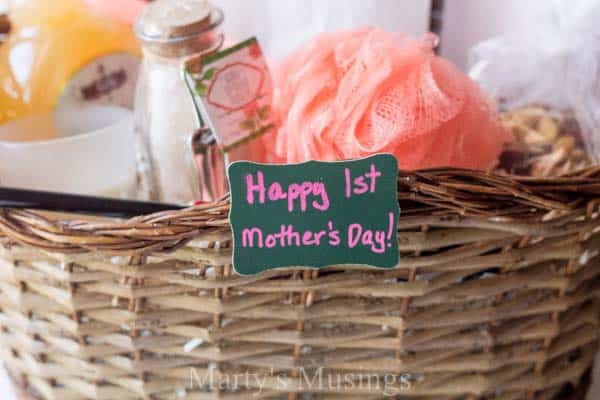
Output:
[[355, 93], [547, 142]]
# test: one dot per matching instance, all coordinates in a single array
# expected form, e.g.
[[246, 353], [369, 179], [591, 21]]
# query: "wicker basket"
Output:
[[495, 297]]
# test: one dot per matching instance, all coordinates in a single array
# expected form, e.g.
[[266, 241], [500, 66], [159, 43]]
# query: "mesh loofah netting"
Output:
[[351, 94]]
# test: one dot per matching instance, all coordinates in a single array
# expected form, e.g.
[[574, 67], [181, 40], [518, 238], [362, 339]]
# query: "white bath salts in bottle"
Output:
[[170, 31]]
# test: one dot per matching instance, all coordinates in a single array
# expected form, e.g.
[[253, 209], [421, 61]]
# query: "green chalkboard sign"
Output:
[[314, 214]]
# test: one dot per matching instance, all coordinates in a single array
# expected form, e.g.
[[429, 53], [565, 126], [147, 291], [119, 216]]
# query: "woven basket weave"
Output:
[[495, 297]]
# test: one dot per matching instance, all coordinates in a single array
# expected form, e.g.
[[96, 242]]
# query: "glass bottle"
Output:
[[166, 119]]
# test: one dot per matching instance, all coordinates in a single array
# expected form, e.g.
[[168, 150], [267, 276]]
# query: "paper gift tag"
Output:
[[314, 214], [235, 91]]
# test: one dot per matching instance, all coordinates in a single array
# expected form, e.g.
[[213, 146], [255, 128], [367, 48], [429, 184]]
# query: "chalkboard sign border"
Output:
[[397, 211]]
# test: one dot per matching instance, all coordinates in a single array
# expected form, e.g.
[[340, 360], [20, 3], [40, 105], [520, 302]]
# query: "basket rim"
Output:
[[438, 197]]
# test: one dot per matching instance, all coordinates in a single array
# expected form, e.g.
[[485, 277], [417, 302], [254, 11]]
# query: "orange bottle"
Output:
[[61, 54]]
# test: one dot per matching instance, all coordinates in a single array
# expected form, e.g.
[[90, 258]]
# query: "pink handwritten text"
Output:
[[359, 184], [295, 192]]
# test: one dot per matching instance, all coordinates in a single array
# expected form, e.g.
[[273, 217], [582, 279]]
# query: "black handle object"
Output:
[[74, 203]]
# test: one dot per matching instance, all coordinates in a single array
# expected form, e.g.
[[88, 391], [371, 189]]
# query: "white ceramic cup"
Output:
[[94, 155]]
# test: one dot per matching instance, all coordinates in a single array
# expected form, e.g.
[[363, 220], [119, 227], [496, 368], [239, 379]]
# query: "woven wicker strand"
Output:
[[496, 296]]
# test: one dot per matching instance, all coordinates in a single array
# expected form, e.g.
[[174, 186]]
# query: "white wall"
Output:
[[282, 25], [467, 22]]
